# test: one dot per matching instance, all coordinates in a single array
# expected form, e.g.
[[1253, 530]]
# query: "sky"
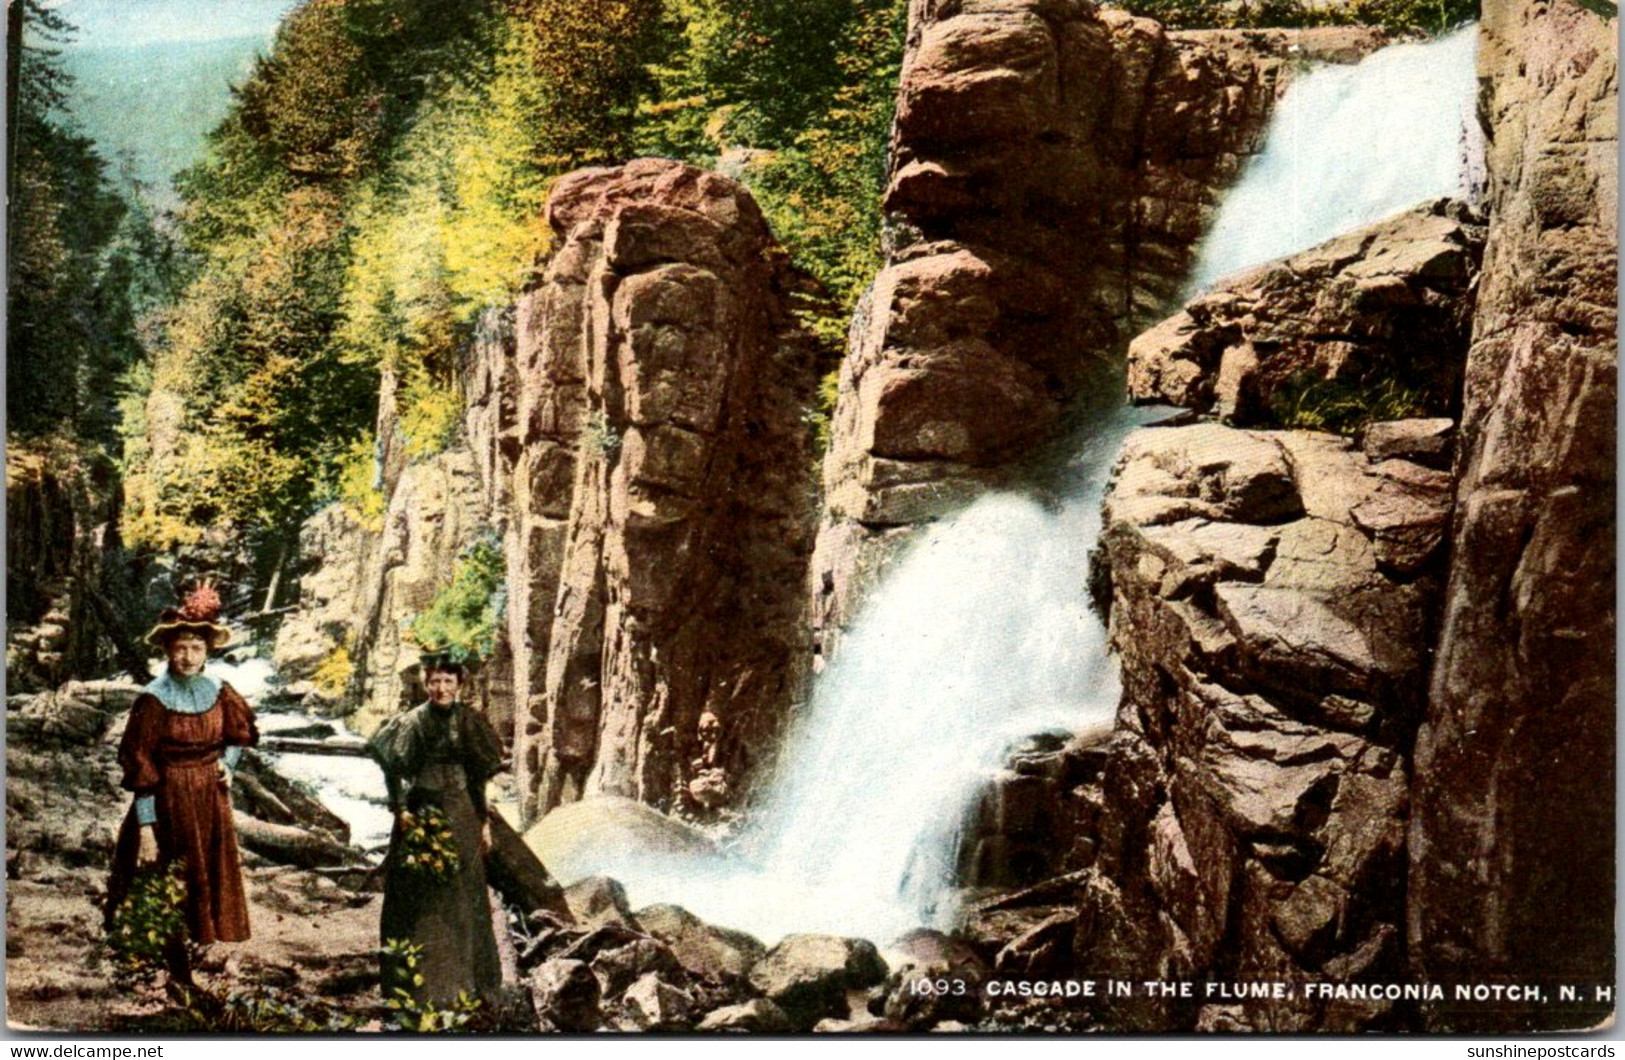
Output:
[[126, 23], [152, 77]]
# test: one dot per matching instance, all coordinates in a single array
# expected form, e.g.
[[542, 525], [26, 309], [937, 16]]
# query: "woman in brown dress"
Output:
[[185, 734], [440, 754]]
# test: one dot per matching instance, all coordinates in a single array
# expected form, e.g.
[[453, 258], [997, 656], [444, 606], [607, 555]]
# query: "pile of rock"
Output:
[[663, 968]]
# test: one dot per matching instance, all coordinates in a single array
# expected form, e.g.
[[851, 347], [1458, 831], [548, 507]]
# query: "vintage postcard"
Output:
[[553, 517]]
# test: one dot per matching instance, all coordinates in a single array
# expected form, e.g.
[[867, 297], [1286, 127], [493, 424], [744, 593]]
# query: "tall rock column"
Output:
[[1512, 839], [674, 644]]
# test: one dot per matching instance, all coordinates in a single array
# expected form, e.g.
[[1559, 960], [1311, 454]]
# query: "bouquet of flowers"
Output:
[[428, 848], [149, 918]]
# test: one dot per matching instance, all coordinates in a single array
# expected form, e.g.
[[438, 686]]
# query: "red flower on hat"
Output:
[[202, 604]]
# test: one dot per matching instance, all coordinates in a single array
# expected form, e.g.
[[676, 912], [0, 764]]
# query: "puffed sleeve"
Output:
[[397, 748], [138, 750], [238, 719], [482, 755]]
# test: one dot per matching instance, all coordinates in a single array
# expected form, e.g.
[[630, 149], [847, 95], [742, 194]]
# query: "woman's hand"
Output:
[[146, 849], [225, 774]]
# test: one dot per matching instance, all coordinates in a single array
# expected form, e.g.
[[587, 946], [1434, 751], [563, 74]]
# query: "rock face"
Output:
[[633, 435], [68, 591], [359, 587], [1272, 596], [665, 350], [1512, 843], [1052, 167], [361, 582], [1390, 304]]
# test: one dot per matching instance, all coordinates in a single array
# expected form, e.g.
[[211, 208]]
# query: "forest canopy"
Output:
[[380, 181]]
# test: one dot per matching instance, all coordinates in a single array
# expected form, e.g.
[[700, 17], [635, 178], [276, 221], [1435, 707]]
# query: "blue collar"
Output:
[[185, 695]]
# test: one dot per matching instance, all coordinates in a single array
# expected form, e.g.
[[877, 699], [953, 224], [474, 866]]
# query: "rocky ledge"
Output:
[[1390, 304]]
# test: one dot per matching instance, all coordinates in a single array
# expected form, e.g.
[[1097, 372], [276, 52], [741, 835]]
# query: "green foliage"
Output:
[[806, 90], [76, 257], [381, 180], [464, 617], [821, 417], [1404, 16], [430, 416], [150, 919], [599, 437], [404, 959], [1309, 402], [256, 1010]]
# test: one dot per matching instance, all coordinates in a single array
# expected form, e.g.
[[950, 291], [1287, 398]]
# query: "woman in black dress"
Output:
[[440, 754]]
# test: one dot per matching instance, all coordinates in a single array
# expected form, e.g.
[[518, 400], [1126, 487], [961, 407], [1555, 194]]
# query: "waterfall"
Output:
[[981, 635], [1348, 146], [981, 632]]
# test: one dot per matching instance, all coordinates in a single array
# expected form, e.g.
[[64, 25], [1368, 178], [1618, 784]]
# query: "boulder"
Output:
[[808, 976], [594, 835], [655, 1005], [917, 960], [617, 969], [705, 950], [598, 901], [1423, 441], [758, 1015], [1380, 315], [566, 996]]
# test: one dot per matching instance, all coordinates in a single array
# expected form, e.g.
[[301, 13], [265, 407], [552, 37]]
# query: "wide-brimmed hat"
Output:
[[199, 613]]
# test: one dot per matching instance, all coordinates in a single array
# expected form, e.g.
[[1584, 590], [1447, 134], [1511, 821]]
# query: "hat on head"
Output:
[[199, 613], [443, 661]]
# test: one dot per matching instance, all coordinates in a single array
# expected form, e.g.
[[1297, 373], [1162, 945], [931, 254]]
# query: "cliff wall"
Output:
[[1512, 835]]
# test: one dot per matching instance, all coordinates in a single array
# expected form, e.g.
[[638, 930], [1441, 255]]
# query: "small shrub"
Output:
[[1310, 403], [463, 618], [821, 417], [360, 483], [404, 959], [599, 437], [332, 676], [147, 922], [258, 1010], [430, 416], [1401, 16]]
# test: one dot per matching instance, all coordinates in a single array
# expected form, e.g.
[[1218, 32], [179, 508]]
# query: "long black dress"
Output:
[[442, 757]]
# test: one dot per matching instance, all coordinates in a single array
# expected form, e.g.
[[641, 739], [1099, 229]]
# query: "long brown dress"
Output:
[[442, 757], [175, 758]]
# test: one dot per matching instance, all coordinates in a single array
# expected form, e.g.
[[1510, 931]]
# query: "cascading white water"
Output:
[[981, 633], [1347, 146]]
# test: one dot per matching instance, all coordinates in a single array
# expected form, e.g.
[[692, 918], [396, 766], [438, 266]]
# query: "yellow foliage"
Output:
[[332, 676], [429, 417], [359, 488]]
